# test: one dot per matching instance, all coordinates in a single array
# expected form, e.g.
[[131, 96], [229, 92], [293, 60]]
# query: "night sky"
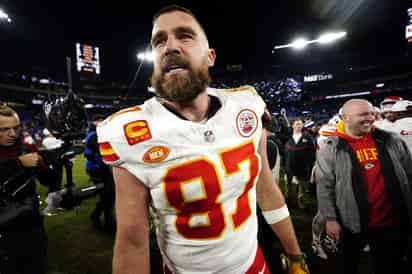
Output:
[[242, 32]]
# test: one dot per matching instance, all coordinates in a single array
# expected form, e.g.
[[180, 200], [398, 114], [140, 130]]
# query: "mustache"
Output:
[[173, 60]]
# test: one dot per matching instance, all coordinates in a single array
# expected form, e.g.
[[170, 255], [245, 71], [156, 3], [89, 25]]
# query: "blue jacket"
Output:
[[92, 153]]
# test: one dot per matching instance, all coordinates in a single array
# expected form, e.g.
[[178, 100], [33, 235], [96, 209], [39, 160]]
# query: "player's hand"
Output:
[[333, 230], [295, 264], [298, 268], [30, 159]]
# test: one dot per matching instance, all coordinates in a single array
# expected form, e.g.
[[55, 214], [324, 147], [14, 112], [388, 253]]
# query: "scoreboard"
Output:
[[408, 30], [87, 59]]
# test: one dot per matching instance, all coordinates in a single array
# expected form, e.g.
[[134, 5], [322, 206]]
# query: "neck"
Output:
[[297, 132], [194, 111]]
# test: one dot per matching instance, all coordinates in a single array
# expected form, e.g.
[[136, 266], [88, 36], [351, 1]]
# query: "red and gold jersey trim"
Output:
[[107, 152], [243, 88], [123, 111]]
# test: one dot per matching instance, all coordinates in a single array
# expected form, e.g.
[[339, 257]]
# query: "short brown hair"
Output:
[[298, 118], [5, 110], [172, 8]]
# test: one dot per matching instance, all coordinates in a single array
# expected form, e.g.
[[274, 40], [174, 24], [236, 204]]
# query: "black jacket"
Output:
[[300, 157], [12, 178]]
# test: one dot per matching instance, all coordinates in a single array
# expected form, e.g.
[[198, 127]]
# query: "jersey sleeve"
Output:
[[249, 94], [265, 117], [122, 138], [252, 91], [108, 138]]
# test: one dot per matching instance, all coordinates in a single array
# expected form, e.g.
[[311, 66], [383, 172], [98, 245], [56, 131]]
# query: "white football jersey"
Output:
[[385, 125], [201, 177], [404, 128]]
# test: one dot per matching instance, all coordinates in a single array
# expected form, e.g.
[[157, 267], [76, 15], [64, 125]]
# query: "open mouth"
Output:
[[367, 124], [174, 68]]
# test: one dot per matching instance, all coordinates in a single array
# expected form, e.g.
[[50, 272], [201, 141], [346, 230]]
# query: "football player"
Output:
[[197, 157], [389, 116], [403, 125]]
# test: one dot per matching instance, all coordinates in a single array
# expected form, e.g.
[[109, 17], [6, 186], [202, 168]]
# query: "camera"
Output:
[[66, 119], [69, 198]]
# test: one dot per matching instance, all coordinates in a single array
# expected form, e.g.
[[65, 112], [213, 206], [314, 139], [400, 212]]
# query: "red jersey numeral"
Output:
[[207, 204]]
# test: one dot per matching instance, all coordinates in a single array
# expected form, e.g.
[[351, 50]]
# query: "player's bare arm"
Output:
[[131, 251], [270, 199]]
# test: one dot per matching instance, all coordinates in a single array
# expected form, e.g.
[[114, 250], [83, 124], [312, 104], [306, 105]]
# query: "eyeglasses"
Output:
[[8, 129]]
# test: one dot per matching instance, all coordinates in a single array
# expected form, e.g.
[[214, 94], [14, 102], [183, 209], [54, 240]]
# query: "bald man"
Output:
[[364, 190]]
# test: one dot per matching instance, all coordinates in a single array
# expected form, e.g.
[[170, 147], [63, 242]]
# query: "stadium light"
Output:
[[4, 16], [330, 37], [145, 56], [301, 43]]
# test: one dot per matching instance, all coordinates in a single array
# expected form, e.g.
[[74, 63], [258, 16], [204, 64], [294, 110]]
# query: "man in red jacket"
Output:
[[23, 242]]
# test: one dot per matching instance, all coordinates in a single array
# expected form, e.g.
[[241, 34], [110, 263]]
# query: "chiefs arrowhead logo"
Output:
[[156, 154]]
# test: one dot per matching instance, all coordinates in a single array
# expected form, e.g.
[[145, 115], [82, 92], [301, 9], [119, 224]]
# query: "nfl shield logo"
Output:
[[209, 136]]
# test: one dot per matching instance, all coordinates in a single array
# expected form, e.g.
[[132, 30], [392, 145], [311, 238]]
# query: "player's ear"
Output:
[[345, 117], [211, 57]]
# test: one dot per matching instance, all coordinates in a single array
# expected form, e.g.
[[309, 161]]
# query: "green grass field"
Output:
[[75, 247]]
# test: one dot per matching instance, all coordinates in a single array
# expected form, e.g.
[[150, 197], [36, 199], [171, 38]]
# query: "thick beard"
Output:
[[182, 87]]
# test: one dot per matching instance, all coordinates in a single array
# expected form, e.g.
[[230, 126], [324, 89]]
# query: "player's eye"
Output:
[[185, 36], [159, 42]]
